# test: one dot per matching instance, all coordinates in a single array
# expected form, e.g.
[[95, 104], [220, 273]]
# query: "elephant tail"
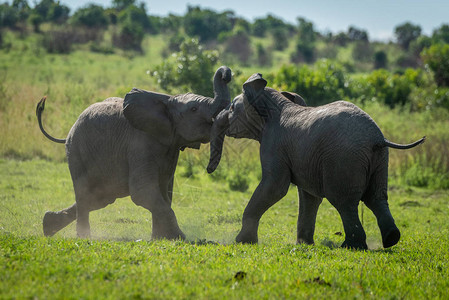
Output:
[[39, 109], [387, 143]]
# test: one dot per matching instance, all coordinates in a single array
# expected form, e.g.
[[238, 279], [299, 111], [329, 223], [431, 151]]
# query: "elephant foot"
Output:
[[55, 221], [246, 238], [304, 241], [169, 235], [357, 245], [391, 238], [167, 230]]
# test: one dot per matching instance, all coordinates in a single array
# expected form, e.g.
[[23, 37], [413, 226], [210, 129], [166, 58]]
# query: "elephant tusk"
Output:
[[213, 120]]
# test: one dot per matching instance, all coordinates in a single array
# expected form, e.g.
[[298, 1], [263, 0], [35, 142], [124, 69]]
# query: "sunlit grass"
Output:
[[121, 261]]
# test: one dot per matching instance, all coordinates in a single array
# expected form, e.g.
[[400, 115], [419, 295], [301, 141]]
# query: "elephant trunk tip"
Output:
[[226, 74], [211, 167]]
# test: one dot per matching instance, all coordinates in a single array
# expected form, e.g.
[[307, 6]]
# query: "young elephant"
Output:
[[335, 151], [130, 146]]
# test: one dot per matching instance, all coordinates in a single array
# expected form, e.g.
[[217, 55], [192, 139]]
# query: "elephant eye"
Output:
[[194, 108], [232, 107]]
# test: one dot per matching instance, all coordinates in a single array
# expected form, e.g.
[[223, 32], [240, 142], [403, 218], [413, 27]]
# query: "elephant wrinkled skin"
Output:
[[335, 151], [130, 146]]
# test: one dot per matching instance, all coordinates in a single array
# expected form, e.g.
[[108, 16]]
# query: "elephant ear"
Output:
[[260, 98], [147, 111], [295, 98], [254, 86]]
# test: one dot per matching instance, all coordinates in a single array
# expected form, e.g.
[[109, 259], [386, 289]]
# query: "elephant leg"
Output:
[[269, 191], [308, 208], [170, 191], [55, 221], [355, 236], [89, 198], [145, 192], [82, 222], [376, 199]]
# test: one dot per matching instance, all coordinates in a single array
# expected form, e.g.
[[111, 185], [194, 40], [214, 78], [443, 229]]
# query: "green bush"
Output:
[[92, 16], [238, 181], [320, 84], [189, 70], [437, 58]]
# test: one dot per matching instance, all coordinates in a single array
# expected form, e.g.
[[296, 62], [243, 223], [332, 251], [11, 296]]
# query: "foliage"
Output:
[[320, 84], [238, 45], [191, 71], [380, 60], [437, 58], [206, 24], [406, 33], [269, 24], [92, 16], [362, 51], [305, 43], [8, 15], [441, 34], [263, 56], [58, 41], [52, 11], [238, 181], [133, 23], [356, 34]]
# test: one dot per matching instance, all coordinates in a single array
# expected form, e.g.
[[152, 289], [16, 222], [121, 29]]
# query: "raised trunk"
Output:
[[218, 132], [222, 96]]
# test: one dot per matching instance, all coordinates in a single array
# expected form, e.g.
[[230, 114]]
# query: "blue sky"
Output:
[[378, 17]]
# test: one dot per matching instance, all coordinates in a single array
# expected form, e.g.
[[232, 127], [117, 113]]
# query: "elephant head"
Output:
[[244, 118], [183, 120]]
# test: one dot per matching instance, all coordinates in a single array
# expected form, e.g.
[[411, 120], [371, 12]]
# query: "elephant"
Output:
[[335, 151], [130, 146]]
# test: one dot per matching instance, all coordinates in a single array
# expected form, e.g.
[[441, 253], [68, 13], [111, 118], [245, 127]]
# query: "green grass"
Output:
[[121, 261]]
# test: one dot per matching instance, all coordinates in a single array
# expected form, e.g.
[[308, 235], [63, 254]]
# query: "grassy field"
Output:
[[120, 261]]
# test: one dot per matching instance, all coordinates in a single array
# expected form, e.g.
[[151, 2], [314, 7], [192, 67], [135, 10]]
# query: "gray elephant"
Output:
[[335, 151], [130, 146]]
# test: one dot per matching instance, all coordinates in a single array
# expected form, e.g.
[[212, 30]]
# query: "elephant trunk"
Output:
[[218, 132], [222, 96]]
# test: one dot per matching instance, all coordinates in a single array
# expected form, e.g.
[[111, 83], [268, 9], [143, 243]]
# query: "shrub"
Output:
[[238, 181], [92, 16], [380, 60], [437, 58], [238, 45], [191, 71], [320, 84], [58, 41], [129, 37]]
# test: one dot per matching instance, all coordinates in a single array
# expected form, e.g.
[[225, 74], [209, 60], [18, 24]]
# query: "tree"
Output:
[[92, 16], [23, 9], [262, 26], [49, 11], [280, 38], [437, 58], [406, 33], [8, 15], [205, 24], [122, 4], [305, 44], [239, 44], [135, 15], [355, 34], [58, 13], [380, 60], [441, 34], [263, 56]]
